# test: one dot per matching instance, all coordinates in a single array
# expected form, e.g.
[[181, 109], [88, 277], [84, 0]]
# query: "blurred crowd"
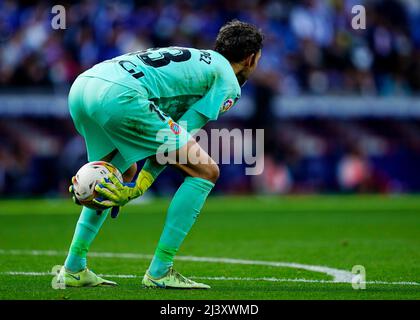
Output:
[[39, 156], [310, 45], [310, 49]]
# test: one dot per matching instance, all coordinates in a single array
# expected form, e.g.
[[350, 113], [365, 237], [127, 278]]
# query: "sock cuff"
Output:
[[79, 248], [165, 253], [201, 183]]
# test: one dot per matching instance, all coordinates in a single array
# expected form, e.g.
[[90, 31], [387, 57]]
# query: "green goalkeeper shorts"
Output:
[[113, 117]]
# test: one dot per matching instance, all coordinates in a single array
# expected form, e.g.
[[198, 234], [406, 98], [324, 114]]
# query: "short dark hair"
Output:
[[237, 40]]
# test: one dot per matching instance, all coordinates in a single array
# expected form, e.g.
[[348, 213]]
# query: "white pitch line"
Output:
[[131, 276], [337, 274]]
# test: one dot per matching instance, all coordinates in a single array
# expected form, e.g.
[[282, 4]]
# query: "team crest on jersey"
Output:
[[175, 128], [227, 105]]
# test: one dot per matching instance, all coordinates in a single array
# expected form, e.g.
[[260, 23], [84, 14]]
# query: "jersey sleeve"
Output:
[[192, 120], [222, 95]]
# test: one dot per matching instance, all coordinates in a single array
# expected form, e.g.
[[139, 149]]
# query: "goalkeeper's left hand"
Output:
[[115, 193]]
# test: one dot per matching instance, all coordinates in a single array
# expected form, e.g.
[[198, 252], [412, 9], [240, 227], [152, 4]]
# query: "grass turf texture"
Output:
[[380, 233]]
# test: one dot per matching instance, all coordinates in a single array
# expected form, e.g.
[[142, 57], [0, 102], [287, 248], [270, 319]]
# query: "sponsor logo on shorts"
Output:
[[175, 128]]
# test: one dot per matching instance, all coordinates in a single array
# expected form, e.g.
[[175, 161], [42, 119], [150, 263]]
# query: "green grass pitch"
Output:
[[380, 233]]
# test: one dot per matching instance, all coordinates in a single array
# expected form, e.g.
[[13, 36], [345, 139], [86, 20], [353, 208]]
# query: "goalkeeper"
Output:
[[127, 108]]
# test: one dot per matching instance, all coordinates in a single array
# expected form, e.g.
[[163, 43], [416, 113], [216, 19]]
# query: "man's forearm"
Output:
[[148, 174]]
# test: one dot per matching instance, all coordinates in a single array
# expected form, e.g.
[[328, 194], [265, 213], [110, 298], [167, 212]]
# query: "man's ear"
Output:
[[250, 60]]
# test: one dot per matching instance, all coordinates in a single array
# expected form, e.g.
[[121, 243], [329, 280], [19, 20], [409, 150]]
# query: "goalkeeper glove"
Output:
[[73, 196], [117, 194], [114, 210]]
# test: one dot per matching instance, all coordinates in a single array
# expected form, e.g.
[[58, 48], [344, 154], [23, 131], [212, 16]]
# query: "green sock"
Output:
[[87, 228], [182, 213]]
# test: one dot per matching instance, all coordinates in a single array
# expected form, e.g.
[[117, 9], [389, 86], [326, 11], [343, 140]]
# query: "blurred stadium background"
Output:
[[339, 106]]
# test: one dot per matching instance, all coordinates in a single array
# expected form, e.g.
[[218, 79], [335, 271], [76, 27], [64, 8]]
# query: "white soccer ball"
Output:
[[87, 177]]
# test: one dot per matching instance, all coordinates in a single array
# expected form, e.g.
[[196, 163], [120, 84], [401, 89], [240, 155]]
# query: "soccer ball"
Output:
[[87, 177]]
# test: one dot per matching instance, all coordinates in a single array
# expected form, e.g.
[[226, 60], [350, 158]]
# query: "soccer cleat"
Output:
[[84, 278], [172, 280]]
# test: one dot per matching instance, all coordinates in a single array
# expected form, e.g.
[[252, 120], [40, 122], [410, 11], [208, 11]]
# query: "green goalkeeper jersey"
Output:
[[175, 79]]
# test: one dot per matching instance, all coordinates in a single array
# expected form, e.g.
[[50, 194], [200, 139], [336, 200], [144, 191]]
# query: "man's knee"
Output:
[[210, 172], [130, 173]]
